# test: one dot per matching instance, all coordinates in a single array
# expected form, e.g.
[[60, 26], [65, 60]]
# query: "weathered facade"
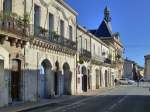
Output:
[[44, 53], [84, 75], [38, 50], [128, 68], [147, 65], [105, 33]]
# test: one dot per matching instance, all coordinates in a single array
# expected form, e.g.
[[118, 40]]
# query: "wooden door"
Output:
[[15, 80]]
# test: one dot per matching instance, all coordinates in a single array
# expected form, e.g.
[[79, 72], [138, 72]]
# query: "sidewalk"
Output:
[[49, 102]]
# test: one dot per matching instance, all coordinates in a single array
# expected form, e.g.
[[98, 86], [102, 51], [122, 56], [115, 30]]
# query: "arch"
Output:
[[89, 80], [56, 78], [106, 78], [67, 79], [15, 79], [101, 78], [84, 79], [97, 78], [1, 71], [84, 70], [45, 79]]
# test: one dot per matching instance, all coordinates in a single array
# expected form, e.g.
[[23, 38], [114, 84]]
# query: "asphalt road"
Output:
[[121, 99]]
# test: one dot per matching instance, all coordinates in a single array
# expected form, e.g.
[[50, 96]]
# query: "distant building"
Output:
[[141, 70], [128, 68], [147, 65], [132, 70], [105, 33]]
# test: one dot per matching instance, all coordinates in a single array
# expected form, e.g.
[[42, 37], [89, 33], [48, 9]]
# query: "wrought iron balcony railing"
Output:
[[14, 26], [108, 61], [56, 39], [85, 53], [98, 58]]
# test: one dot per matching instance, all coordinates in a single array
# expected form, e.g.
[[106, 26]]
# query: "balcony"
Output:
[[108, 61], [13, 28], [56, 42], [96, 59], [85, 54]]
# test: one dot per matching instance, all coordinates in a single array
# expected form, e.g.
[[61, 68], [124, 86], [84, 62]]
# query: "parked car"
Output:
[[126, 81], [145, 79], [131, 81], [123, 81]]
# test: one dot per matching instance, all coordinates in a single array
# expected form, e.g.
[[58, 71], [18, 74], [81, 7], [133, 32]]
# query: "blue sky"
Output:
[[131, 18]]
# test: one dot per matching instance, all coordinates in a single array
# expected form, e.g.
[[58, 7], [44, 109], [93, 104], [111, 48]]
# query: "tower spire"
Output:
[[107, 17]]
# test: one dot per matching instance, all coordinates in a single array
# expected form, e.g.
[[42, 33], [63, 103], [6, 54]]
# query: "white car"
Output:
[[126, 81], [131, 81], [145, 79], [123, 81]]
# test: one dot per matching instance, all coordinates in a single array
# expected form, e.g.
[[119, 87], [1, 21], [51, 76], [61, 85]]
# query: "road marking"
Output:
[[116, 104], [80, 102]]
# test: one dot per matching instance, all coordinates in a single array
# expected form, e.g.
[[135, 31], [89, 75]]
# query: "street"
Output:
[[120, 99]]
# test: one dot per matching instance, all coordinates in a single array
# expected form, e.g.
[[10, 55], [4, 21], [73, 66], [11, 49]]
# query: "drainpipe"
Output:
[[24, 60], [37, 76], [76, 57]]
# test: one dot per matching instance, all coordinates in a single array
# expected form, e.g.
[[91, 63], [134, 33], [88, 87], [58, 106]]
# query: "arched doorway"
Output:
[[44, 79], [101, 78], [106, 78], [1, 70], [89, 80], [15, 79], [97, 79], [67, 79], [56, 78], [84, 79]]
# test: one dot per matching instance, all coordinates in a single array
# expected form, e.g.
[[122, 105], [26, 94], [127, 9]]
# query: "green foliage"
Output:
[[110, 56], [26, 18], [81, 61], [55, 35]]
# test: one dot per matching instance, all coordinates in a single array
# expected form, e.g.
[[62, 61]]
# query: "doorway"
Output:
[[1, 70], [67, 79], [106, 78], [45, 79], [84, 79], [15, 79], [97, 79]]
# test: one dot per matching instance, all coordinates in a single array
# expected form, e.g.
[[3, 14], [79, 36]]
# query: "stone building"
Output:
[[128, 68], [147, 65], [84, 82], [132, 70], [95, 62], [105, 33], [44, 53], [37, 51]]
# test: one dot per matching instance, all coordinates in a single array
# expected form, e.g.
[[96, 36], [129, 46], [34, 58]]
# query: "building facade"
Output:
[[147, 65], [128, 68], [44, 53], [38, 50], [84, 60], [105, 33], [132, 70]]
